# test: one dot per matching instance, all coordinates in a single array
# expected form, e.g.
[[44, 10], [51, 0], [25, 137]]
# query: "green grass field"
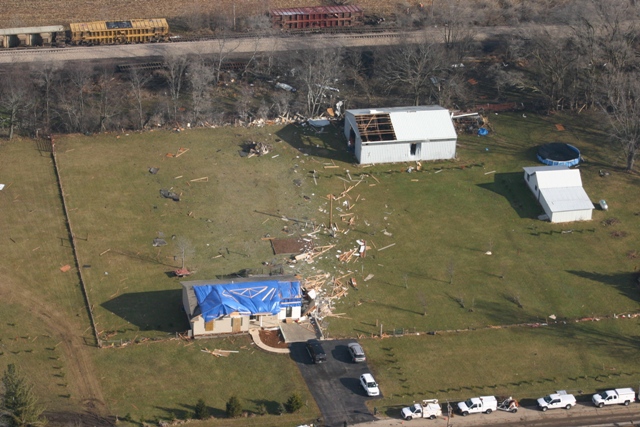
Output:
[[436, 277]]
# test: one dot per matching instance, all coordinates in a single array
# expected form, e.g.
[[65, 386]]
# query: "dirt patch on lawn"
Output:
[[273, 339], [83, 381]]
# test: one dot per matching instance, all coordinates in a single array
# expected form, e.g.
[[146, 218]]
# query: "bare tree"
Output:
[[200, 79], [185, 249], [318, 72], [411, 67], [226, 46], [451, 269], [243, 104], [137, 83], [623, 110], [109, 97], [45, 76], [552, 62], [175, 67], [73, 97], [15, 97]]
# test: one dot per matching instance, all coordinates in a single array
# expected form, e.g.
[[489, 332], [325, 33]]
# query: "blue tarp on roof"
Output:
[[247, 298]]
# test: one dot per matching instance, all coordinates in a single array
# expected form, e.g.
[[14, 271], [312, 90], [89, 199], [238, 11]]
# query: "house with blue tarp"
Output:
[[234, 306]]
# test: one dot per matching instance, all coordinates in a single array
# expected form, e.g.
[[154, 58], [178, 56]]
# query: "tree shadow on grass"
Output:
[[326, 142], [151, 311], [512, 187], [270, 405], [624, 282]]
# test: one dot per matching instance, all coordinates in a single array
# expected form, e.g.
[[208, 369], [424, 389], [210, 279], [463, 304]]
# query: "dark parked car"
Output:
[[356, 352], [316, 351]]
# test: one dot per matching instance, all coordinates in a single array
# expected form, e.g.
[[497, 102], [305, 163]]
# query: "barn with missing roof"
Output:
[[400, 134]]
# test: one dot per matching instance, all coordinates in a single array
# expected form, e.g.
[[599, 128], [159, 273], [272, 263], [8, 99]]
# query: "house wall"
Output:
[[380, 152], [224, 325], [532, 183], [571, 216]]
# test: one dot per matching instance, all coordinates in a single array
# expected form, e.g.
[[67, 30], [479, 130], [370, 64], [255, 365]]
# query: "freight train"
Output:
[[88, 33], [302, 19]]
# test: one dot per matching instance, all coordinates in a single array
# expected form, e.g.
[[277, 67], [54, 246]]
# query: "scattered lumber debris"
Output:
[[219, 353], [65, 268]]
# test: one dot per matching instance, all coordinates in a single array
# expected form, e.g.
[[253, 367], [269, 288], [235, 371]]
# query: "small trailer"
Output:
[[508, 405]]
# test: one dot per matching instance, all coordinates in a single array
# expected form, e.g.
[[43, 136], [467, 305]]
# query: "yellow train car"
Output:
[[119, 32]]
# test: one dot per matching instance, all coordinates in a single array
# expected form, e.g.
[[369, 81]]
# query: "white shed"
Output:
[[559, 191], [401, 134]]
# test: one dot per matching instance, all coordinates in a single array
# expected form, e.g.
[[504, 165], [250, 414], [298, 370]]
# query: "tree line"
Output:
[[587, 63]]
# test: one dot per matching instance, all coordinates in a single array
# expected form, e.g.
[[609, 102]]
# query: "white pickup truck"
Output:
[[429, 408], [477, 405], [559, 399], [619, 396]]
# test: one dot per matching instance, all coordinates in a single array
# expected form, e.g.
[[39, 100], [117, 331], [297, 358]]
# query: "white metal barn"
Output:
[[401, 134], [559, 191]]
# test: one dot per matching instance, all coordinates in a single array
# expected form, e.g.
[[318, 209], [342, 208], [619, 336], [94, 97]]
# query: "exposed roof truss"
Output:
[[375, 127]]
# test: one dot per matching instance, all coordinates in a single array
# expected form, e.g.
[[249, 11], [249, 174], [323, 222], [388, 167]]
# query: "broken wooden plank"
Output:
[[388, 246]]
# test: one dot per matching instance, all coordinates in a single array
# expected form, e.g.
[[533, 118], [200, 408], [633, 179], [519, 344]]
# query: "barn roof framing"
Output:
[[375, 127]]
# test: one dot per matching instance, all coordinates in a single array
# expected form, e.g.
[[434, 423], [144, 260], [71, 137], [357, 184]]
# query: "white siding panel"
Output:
[[571, 216], [438, 150], [401, 152]]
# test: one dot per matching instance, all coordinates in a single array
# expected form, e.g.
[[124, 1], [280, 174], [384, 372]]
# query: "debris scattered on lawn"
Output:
[[385, 247], [153, 171], [219, 353], [286, 87], [65, 268], [253, 148], [159, 242], [170, 195], [203, 179]]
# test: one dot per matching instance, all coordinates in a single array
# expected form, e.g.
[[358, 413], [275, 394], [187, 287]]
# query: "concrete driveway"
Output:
[[335, 385]]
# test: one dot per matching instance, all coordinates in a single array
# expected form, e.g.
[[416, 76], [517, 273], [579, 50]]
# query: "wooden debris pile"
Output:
[[310, 255], [326, 291], [359, 251], [258, 148]]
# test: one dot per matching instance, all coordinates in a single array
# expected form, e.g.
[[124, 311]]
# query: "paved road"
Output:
[[582, 415], [335, 385], [246, 46]]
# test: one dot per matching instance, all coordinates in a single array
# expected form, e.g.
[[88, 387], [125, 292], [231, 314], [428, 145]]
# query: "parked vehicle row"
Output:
[[356, 352], [430, 408]]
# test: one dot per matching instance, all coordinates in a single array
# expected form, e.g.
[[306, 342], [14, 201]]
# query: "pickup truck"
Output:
[[559, 399], [429, 408], [476, 405], [619, 396]]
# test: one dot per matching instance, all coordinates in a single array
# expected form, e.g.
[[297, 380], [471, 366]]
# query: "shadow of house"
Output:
[[151, 311], [511, 186], [327, 142], [625, 282]]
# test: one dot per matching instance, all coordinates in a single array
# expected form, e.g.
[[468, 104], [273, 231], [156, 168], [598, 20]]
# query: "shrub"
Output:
[[294, 403], [201, 411], [234, 408]]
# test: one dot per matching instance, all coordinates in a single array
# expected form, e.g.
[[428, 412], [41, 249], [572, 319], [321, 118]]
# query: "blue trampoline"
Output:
[[558, 154]]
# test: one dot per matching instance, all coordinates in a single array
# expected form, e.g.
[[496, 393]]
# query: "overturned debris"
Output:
[[254, 148], [170, 195]]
